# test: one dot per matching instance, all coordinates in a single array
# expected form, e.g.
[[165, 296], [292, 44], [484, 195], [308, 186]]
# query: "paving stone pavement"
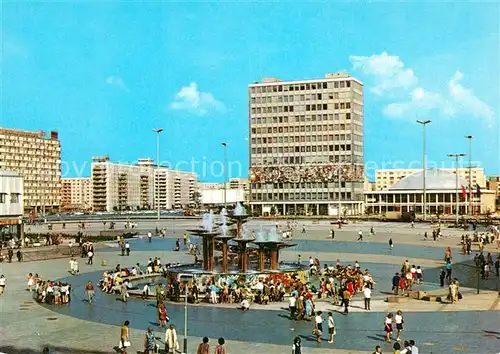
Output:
[[472, 326]]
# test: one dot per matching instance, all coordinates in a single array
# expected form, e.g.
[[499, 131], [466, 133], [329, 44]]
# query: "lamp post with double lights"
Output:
[[157, 197], [424, 163], [456, 157], [470, 137]]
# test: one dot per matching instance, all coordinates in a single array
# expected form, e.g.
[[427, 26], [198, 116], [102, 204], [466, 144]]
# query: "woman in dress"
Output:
[[388, 327], [171, 343], [124, 337], [149, 341], [399, 323], [162, 315]]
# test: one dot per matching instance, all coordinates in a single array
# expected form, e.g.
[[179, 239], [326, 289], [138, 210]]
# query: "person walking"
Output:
[[398, 319], [171, 343], [360, 235], [391, 244], [331, 328], [297, 346], [2, 284], [124, 337], [127, 248], [388, 327], [442, 276], [150, 236], [90, 255], [149, 342], [292, 302], [221, 347], [346, 296], [367, 293], [203, 347], [332, 234], [89, 289]]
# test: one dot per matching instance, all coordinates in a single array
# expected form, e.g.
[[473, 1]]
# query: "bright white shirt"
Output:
[[356, 265], [245, 304], [149, 235], [133, 271], [388, 320], [146, 288], [90, 254], [127, 245], [419, 270], [311, 261], [319, 319], [413, 270], [292, 300], [367, 293], [366, 277], [331, 322], [2, 281], [398, 319]]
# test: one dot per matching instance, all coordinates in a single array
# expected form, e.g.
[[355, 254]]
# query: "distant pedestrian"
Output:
[[127, 248], [90, 291], [149, 342], [388, 327], [2, 284], [90, 254], [297, 346], [150, 236], [203, 347], [391, 244], [318, 326], [221, 347], [398, 319], [124, 337], [331, 328], [367, 294], [360, 235], [332, 233], [442, 276], [19, 255]]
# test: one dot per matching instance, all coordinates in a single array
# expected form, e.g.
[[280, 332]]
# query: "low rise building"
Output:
[[441, 189], [11, 205]]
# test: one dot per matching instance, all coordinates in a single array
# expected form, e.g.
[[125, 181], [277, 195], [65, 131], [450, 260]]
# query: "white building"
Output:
[[142, 186], [76, 194], [306, 146], [216, 196], [385, 178], [11, 204]]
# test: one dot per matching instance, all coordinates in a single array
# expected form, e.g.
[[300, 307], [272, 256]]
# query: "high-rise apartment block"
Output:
[[76, 194], [36, 157], [306, 146], [385, 178], [118, 186]]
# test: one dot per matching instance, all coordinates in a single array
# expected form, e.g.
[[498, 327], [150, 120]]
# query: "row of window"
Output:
[[303, 128], [308, 138], [298, 185], [308, 148], [300, 87], [331, 196], [296, 98], [412, 198], [305, 118], [14, 198], [345, 157], [306, 108]]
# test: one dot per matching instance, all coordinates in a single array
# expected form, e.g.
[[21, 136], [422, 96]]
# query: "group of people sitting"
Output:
[[49, 292]]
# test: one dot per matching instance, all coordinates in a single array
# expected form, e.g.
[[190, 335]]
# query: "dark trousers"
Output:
[[367, 304], [293, 309], [346, 306], [91, 260]]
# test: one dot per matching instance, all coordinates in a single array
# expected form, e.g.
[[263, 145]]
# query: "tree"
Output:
[[273, 210], [195, 199]]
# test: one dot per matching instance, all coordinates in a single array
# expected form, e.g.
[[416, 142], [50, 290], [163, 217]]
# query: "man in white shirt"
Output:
[[2, 284], [245, 305], [367, 293], [127, 248], [150, 236], [412, 348]]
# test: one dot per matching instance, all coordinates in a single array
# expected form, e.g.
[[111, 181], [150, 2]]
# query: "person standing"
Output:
[[497, 266], [171, 343], [367, 293], [150, 236], [318, 326], [89, 289], [399, 323], [331, 328], [442, 276], [90, 254], [149, 342], [346, 296], [203, 347], [332, 233], [124, 337], [292, 302], [127, 248], [448, 271], [297, 346], [220, 348], [2, 284]]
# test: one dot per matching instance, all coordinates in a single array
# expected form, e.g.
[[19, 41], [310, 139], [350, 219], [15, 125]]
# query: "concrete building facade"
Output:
[[76, 194], [36, 156], [385, 178], [11, 204], [142, 186], [306, 146]]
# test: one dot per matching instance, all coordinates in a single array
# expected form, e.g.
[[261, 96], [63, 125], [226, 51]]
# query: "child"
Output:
[[331, 327]]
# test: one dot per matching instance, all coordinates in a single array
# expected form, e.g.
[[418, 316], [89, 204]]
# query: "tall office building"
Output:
[[306, 146], [36, 157], [76, 194], [118, 186]]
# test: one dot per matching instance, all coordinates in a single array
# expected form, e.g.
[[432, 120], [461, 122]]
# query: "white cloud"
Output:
[[391, 76], [466, 101], [388, 70], [190, 99], [117, 82]]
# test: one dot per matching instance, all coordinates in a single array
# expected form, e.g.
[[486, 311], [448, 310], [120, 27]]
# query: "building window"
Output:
[[2, 198]]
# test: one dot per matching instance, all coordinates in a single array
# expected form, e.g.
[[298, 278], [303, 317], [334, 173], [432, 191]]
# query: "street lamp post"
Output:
[[340, 192], [470, 137], [456, 157], [224, 146], [424, 163], [157, 197], [186, 278]]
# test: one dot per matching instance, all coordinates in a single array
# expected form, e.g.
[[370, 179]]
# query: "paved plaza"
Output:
[[471, 326]]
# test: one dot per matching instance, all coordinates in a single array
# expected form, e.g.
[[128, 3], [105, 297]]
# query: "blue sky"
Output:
[[105, 73]]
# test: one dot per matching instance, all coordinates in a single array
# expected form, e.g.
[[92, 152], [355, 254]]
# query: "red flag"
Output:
[[464, 193]]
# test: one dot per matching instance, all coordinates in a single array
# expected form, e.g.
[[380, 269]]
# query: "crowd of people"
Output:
[[48, 292]]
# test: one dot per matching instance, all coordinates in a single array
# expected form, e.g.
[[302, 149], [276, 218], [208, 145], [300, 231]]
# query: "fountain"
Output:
[[268, 242]]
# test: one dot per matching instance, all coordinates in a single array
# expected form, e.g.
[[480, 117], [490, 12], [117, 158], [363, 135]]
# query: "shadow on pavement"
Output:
[[51, 349]]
